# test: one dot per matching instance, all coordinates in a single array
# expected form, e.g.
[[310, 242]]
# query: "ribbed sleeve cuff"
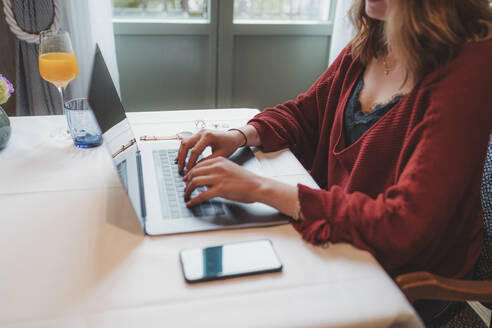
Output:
[[311, 204], [314, 228], [268, 137]]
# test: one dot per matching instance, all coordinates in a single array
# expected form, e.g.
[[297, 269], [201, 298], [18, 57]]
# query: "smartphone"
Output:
[[230, 260]]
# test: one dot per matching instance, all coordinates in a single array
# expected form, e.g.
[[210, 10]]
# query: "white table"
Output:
[[64, 263]]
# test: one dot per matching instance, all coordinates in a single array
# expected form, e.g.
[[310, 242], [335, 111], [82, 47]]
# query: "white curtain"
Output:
[[343, 31], [89, 22]]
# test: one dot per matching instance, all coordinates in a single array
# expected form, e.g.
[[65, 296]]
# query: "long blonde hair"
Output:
[[425, 34]]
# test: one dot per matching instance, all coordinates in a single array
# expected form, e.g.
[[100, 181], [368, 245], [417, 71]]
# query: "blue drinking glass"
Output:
[[82, 124]]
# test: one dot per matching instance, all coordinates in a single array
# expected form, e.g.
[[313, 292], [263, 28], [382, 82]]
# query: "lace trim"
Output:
[[391, 101], [376, 106]]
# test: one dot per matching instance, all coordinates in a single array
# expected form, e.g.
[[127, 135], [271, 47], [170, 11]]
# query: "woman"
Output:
[[395, 132]]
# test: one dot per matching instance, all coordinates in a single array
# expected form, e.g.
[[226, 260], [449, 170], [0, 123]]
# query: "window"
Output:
[[161, 9], [219, 53], [272, 11]]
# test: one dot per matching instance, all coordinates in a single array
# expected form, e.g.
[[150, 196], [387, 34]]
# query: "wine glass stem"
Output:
[[62, 98]]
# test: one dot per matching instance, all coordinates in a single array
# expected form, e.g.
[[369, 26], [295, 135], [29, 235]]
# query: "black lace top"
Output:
[[355, 121]]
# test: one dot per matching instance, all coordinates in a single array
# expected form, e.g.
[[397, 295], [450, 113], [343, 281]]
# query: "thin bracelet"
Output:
[[244, 135]]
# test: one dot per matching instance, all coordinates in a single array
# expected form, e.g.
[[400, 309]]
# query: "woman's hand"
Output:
[[223, 143], [225, 179], [228, 180]]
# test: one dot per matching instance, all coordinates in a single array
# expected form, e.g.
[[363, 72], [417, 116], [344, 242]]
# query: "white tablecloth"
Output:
[[65, 263]]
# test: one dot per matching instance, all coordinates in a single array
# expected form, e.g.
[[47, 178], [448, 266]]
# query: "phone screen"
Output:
[[230, 260]]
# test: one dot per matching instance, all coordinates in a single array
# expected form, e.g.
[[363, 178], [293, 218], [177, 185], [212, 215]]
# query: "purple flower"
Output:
[[11, 87]]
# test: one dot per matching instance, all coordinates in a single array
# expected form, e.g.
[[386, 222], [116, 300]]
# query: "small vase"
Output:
[[4, 128]]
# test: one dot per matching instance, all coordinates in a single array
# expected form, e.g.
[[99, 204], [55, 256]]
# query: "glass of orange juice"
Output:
[[57, 61]]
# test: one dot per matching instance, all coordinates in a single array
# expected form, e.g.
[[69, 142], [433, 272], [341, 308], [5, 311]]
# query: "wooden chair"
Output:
[[424, 285]]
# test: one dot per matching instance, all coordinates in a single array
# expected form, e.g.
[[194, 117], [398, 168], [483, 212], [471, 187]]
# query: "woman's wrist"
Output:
[[279, 195], [240, 138], [246, 136], [252, 135]]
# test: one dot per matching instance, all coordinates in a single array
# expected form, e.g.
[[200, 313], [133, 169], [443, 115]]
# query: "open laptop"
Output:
[[151, 179]]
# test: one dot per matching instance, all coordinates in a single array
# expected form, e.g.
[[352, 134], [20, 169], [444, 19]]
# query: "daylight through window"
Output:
[[161, 9], [246, 11]]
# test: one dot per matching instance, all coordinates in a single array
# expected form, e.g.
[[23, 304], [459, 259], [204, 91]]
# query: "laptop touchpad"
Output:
[[245, 158]]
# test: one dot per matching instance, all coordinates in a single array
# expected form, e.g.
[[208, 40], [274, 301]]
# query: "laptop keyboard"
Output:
[[171, 189]]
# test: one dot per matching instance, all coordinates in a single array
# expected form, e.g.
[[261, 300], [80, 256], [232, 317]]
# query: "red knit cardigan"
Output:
[[408, 190]]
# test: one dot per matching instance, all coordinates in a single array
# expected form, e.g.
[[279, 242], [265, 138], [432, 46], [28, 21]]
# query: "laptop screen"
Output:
[[118, 136]]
